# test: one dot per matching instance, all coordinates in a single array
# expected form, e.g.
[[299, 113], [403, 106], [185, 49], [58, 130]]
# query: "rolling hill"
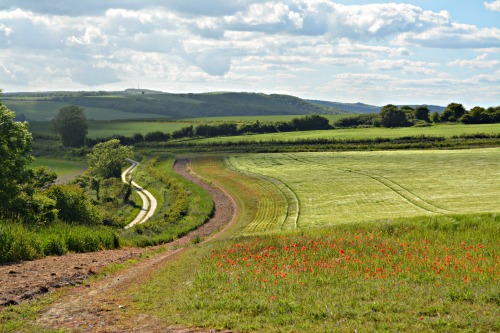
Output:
[[147, 104]]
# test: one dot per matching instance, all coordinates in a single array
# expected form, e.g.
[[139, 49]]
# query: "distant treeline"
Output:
[[306, 123], [393, 116]]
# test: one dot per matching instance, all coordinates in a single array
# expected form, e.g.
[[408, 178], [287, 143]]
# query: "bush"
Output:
[[73, 205]]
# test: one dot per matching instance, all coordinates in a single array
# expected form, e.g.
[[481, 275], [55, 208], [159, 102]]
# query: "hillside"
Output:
[[147, 103], [364, 108]]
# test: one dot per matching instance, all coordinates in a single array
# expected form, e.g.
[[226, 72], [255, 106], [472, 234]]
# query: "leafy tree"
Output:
[[391, 116], [311, 122], [422, 113], [453, 112], [43, 177], [71, 124], [106, 159], [15, 149], [435, 117], [73, 205]]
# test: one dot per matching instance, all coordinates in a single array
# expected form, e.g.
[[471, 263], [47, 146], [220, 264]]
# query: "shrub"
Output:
[[74, 205]]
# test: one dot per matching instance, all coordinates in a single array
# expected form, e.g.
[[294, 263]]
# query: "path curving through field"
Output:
[[98, 307], [149, 202]]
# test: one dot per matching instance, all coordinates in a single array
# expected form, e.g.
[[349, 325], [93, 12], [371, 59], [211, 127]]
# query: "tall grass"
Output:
[[19, 242]]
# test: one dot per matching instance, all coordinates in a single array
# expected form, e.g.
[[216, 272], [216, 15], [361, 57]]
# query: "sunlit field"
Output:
[[347, 187], [378, 246], [365, 133]]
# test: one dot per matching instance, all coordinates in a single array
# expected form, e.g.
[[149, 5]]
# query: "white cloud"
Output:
[[478, 62], [453, 36], [493, 6]]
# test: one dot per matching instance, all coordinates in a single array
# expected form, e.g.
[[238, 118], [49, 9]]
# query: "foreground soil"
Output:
[[98, 306]]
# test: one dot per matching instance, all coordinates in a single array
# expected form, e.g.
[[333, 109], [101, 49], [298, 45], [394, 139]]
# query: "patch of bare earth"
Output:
[[101, 306]]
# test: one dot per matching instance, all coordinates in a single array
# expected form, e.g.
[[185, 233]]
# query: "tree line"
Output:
[[71, 124], [394, 116]]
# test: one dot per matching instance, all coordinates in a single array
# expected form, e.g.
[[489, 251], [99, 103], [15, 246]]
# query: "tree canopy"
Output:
[[392, 116], [15, 156], [106, 159], [71, 124]]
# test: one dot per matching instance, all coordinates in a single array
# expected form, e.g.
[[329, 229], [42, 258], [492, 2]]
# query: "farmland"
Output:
[[348, 187], [364, 133], [384, 241]]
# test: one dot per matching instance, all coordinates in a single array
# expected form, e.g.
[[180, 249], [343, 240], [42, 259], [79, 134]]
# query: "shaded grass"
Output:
[[19, 242], [304, 281], [66, 170]]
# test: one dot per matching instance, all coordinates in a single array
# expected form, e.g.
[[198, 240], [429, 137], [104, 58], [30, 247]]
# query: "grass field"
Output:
[[36, 110], [365, 133], [106, 129], [66, 170], [345, 187]]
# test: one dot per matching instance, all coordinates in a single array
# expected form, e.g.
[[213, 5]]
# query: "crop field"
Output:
[[333, 188], [365, 133], [382, 241], [66, 170]]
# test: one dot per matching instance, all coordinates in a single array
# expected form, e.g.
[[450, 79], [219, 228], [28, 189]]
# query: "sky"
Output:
[[368, 51]]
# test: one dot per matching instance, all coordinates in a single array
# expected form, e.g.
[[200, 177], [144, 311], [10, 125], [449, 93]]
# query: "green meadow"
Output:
[[106, 129], [66, 170], [40, 110], [365, 133]]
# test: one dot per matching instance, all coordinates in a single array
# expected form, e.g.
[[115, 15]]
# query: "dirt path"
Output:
[[96, 307]]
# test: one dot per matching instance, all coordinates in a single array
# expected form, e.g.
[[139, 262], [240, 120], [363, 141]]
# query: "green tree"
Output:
[[15, 156], [453, 112], [391, 116], [73, 205], [106, 159], [71, 124], [422, 113]]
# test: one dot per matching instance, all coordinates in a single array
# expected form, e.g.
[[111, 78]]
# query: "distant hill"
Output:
[[365, 108], [349, 107], [147, 102]]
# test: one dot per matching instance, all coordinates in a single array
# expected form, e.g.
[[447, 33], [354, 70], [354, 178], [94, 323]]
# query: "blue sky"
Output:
[[375, 52]]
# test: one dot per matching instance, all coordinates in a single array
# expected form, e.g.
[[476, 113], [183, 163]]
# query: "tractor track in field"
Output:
[[101, 305], [401, 191]]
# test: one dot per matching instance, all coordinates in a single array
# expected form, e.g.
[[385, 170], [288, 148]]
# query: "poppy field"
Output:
[[425, 274]]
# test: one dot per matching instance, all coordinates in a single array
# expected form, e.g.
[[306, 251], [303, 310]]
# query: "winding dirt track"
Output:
[[96, 307]]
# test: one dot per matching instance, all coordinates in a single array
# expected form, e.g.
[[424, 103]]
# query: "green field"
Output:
[[348, 187], [262, 119], [66, 170], [364, 133], [106, 129], [37, 110], [378, 246]]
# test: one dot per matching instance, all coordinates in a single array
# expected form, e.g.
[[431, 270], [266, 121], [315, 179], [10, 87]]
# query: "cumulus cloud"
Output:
[[481, 61], [493, 6], [453, 36]]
